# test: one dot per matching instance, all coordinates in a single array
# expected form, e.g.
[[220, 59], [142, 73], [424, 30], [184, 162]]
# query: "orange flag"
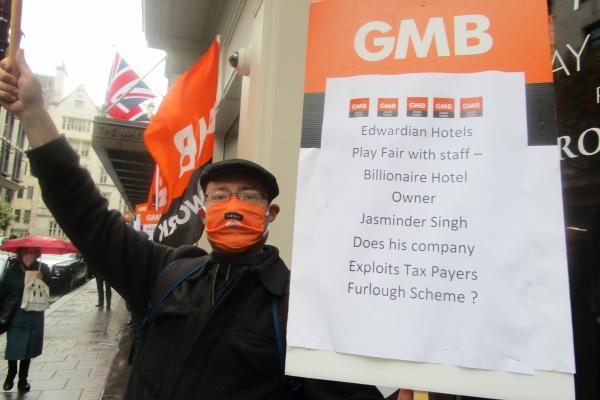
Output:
[[180, 137]]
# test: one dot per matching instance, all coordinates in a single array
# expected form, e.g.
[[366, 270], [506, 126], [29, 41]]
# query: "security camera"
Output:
[[234, 58], [240, 60]]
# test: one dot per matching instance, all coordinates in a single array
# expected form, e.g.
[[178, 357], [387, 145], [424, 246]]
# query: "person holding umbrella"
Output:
[[25, 331]]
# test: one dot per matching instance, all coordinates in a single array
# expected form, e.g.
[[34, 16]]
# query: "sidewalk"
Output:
[[85, 351]]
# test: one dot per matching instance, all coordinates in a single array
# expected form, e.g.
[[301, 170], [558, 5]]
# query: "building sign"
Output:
[[428, 216]]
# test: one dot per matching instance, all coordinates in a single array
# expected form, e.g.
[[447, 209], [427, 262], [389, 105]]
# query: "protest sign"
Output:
[[428, 141]]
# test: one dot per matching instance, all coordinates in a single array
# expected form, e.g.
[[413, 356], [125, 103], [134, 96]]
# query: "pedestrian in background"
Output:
[[103, 286], [25, 331]]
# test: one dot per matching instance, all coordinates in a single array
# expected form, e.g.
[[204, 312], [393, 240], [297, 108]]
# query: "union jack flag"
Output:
[[127, 90]]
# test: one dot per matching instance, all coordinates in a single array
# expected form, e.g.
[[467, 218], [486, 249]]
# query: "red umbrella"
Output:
[[46, 244]]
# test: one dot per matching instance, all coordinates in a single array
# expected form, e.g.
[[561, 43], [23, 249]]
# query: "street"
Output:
[[85, 350]]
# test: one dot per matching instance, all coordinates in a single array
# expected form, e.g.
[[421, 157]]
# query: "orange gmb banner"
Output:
[[149, 217], [141, 207], [354, 37]]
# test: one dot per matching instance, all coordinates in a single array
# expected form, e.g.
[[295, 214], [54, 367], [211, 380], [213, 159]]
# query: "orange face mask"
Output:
[[234, 226]]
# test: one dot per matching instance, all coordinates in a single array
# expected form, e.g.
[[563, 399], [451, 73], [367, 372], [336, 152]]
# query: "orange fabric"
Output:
[[188, 108], [234, 226], [520, 32]]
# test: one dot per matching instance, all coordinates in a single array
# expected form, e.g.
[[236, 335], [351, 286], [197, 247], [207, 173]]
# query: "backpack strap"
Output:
[[279, 315], [168, 280]]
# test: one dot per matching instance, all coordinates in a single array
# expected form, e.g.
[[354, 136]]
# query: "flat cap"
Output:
[[214, 170]]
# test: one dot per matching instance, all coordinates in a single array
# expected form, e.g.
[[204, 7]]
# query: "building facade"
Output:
[[12, 160]]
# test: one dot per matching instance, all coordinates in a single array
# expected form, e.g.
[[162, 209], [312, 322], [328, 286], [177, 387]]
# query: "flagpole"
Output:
[[14, 40], [133, 86], [157, 171]]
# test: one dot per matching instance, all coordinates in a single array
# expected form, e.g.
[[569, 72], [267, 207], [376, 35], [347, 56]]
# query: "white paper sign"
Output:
[[411, 235]]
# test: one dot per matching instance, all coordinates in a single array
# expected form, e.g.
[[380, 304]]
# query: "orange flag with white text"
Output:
[[180, 136]]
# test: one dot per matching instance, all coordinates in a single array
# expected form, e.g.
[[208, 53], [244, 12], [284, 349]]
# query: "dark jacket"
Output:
[[25, 336], [211, 339], [8, 299]]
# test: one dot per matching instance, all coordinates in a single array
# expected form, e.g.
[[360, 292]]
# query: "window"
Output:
[[78, 103], [17, 215], [81, 147], [103, 175], [54, 230], [20, 194], [17, 164], [9, 122], [84, 149], [26, 216], [76, 124], [5, 150], [8, 195], [20, 138], [30, 192]]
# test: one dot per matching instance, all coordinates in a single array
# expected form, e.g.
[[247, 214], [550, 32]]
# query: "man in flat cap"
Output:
[[219, 334]]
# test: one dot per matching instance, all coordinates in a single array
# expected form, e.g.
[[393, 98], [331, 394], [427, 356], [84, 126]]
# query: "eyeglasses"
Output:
[[246, 195]]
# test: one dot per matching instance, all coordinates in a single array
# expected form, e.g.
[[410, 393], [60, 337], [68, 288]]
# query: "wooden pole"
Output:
[[420, 395], [406, 394], [14, 41]]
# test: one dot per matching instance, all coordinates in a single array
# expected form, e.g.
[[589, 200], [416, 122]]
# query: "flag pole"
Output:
[[133, 86], [157, 172], [14, 41]]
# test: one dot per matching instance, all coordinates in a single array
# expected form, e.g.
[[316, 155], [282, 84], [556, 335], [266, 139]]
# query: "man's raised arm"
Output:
[[123, 256]]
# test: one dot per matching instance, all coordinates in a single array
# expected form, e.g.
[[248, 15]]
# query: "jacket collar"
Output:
[[271, 270]]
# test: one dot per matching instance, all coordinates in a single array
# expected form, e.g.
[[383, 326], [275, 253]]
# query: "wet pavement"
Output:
[[85, 351]]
